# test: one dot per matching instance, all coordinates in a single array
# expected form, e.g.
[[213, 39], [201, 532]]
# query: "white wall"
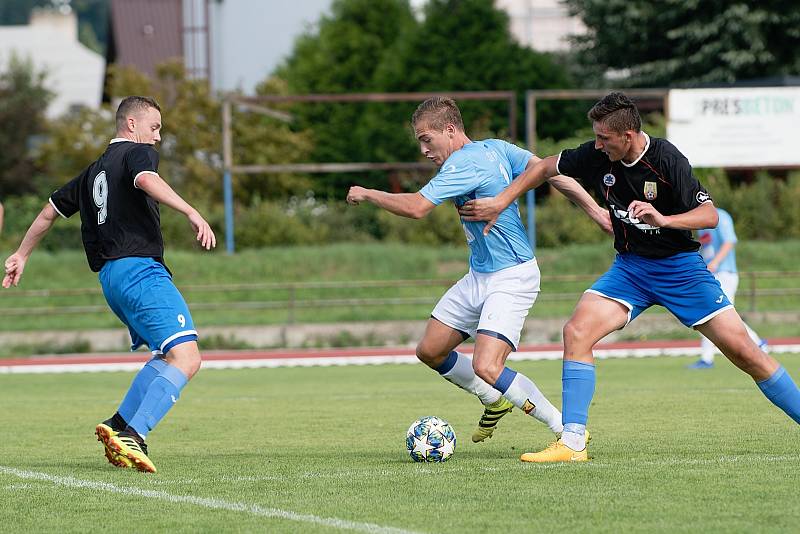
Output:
[[74, 72]]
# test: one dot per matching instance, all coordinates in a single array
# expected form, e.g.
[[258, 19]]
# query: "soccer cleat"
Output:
[[556, 452], [701, 364], [104, 433], [133, 450], [491, 415], [548, 454]]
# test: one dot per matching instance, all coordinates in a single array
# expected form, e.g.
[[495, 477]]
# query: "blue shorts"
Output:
[[681, 283], [141, 293]]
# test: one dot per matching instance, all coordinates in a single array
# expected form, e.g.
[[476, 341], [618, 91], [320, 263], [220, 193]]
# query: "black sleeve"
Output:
[[142, 158], [65, 200], [688, 192], [579, 162]]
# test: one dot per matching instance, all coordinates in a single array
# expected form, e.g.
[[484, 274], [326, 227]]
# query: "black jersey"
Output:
[[117, 219], [662, 176]]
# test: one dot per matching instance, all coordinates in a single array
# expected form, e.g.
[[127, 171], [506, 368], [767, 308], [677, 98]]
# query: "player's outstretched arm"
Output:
[[703, 216], [15, 264], [571, 189], [488, 209], [159, 190], [411, 205]]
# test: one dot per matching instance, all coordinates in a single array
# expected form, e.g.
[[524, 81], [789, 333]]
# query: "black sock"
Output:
[[117, 423]]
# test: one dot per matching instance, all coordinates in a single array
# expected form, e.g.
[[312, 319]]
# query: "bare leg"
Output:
[[436, 350], [594, 318], [489, 363], [727, 331]]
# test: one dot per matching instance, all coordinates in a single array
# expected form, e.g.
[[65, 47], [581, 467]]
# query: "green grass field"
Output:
[[322, 449]]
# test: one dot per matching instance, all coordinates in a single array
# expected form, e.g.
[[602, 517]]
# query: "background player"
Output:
[[491, 301], [717, 247], [118, 199], [654, 201]]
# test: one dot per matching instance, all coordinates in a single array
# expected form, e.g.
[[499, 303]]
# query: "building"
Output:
[[544, 25], [74, 73], [235, 44]]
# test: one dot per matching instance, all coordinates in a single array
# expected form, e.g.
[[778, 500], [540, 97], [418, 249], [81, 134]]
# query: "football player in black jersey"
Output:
[[655, 202], [118, 199]]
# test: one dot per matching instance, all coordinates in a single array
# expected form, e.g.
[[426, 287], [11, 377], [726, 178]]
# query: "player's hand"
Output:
[[15, 264], [603, 220], [205, 235], [644, 211], [482, 209], [356, 195], [713, 266]]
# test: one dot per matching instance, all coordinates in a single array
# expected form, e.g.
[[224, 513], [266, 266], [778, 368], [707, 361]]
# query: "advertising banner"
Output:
[[736, 127]]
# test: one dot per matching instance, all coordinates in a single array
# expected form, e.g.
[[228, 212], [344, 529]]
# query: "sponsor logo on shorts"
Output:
[[650, 190], [719, 300], [702, 196], [528, 406], [609, 179]]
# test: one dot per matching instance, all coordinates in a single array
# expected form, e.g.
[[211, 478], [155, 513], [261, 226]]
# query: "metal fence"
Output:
[[755, 291]]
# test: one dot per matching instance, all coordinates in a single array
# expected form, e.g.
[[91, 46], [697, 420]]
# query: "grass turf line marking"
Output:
[[205, 502]]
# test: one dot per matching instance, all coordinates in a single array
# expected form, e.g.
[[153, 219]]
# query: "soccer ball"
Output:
[[430, 439]]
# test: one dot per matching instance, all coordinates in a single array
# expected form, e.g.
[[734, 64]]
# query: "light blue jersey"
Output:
[[483, 169], [712, 240]]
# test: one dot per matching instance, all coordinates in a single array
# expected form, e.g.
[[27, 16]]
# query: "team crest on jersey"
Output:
[[650, 190], [609, 179]]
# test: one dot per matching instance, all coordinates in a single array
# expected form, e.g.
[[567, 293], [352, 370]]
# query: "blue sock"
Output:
[[142, 380], [163, 393], [577, 382], [448, 363], [782, 391], [505, 379]]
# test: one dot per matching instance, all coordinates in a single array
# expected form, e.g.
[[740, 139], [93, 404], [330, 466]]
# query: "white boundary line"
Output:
[[216, 504], [357, 360]]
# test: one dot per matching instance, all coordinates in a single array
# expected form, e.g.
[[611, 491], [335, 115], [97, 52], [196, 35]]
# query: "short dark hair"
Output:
[[132, 104], [617, 112], [437, 112]]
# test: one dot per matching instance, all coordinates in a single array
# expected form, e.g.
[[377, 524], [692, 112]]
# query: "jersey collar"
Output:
[[119, 140], [646, 146]]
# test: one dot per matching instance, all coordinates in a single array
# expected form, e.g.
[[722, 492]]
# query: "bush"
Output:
[[764, 209]]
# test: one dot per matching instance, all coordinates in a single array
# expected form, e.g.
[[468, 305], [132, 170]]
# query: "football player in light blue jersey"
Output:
[[718, 248], [491, 301]]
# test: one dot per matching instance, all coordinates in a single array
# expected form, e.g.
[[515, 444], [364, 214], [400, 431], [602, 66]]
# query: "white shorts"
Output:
[[495, 304], [729, 282]]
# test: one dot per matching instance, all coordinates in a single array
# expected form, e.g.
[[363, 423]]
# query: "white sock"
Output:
[[574, 436], [524, 394], [706, 350], [463, 375]]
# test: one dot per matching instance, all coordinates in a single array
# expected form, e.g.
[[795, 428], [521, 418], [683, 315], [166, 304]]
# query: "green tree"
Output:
[[367, 45], [18, 12], [191, 146], [340, 55], [23, 100], [687, 43], [466, 45]]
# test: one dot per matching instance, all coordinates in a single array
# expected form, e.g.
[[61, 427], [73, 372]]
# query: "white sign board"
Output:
[[738, 127]]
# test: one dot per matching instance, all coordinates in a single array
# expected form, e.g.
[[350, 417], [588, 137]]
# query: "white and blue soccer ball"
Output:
[[430, 439]]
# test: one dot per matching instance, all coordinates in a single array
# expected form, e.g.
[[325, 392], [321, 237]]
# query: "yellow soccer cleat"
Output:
[[133, 450], [558, 452], [105, 433], [491, 415]]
